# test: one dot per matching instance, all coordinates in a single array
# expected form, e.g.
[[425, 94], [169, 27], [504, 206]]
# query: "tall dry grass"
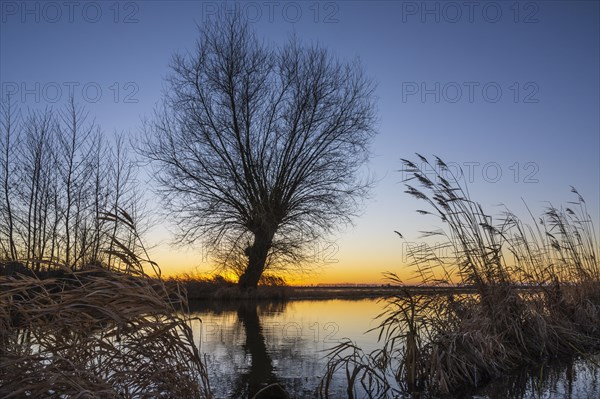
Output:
[[98, 333], [537, 297]]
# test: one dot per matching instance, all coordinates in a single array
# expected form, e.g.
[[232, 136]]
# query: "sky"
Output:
[[507, 90]]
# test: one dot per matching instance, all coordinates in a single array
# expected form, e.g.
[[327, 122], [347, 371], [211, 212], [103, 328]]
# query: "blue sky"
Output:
[[509, 90]]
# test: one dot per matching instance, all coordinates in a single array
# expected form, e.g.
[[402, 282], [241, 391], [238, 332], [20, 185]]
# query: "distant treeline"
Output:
[[60, 178]]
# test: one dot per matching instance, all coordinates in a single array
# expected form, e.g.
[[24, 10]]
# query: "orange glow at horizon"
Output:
[[342, 270], [358, 255]]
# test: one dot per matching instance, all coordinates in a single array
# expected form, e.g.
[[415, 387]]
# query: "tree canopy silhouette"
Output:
[[258, 149]]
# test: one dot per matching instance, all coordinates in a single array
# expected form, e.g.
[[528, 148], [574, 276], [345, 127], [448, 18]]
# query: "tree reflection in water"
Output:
[[260, 372], [246, 336]]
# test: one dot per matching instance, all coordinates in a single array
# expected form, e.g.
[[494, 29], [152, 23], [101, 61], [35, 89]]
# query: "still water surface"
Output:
[[250, 344]]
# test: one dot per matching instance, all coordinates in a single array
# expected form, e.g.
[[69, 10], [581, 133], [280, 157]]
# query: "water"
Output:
[[248, 345]]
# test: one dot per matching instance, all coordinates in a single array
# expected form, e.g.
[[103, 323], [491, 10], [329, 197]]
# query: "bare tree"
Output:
[[9, 120], [74, 137], [58, 181], [258, 150], [35, 154]]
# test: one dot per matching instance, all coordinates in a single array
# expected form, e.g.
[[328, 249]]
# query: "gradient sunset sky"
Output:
[[509, 91]]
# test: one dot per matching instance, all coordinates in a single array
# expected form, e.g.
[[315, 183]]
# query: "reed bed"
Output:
[[537, 297], [97, 333], [218, 288]]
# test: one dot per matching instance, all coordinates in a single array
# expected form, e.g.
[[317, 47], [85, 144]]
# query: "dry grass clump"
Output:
[[97, 333], [537, 297]]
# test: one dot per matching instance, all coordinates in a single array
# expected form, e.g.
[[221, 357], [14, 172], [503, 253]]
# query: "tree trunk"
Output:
[[257, 256]]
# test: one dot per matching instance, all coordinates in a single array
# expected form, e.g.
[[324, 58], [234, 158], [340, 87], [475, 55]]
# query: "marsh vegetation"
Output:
[[259, 151], [500, 334], [444, 343], [97, 331]]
